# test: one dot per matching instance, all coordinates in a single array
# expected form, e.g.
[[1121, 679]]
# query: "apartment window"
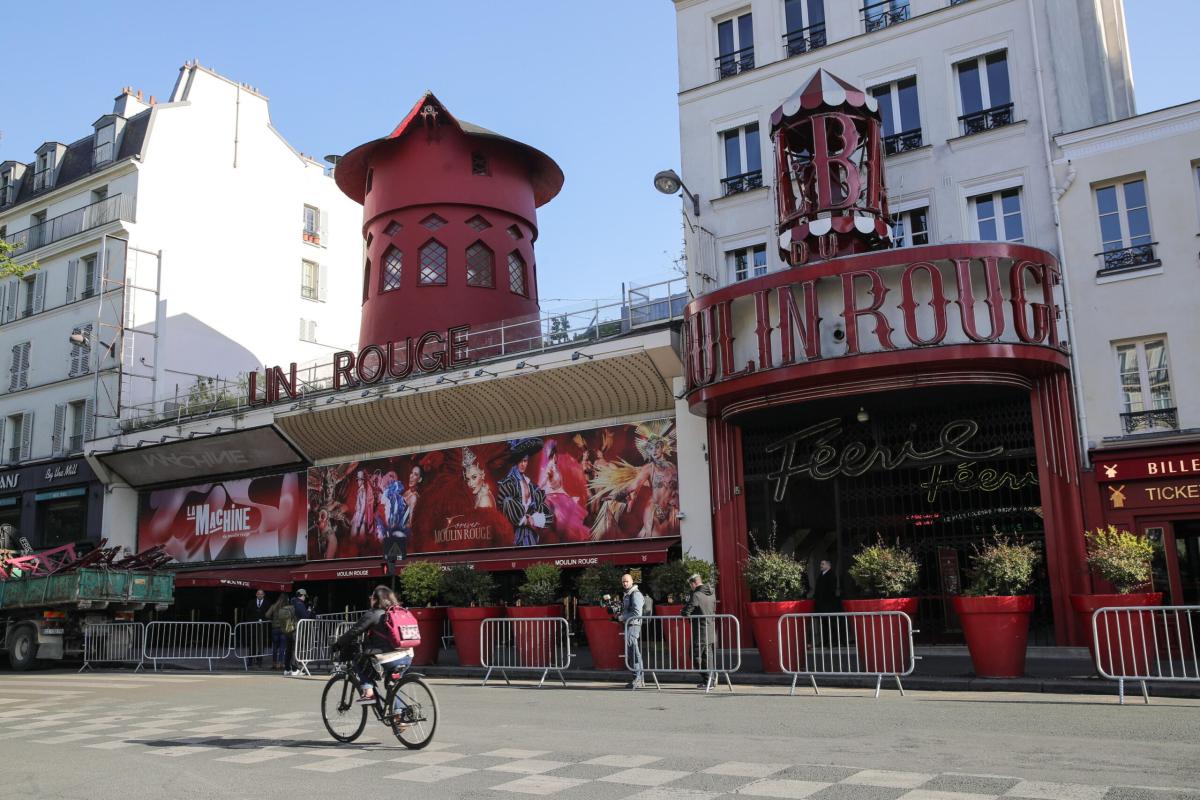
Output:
[[984, 93], [310, 276], [88, 276], [18, 367], [998, 216], [39, 232], [393, 263], [910, 228], [805, 26], [41, 175], [308, 330], [100, 195], [102, 149], [312, 225], [81, 351], [77, 413], [516, 274], [901, 115], [877, 16], [16, 437], [8, 188], [743, 160], [735, 44], [480, 266], [29, 292], [1146, 402], [1125, 240], [747, 262], [433, 264]]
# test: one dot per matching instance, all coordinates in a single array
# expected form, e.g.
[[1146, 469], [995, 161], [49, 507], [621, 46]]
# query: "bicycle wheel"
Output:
[[414, 714], [343, 718]]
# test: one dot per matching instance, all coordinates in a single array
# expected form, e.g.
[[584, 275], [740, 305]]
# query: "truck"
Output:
[[47, 599]]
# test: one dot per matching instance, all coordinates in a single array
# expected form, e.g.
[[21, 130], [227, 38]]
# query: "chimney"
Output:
[[127, 103]]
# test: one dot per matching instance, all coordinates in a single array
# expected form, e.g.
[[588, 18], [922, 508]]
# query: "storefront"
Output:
[[51, 504]]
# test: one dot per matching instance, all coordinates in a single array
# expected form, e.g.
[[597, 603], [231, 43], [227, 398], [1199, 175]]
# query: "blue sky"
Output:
[[591, 83]]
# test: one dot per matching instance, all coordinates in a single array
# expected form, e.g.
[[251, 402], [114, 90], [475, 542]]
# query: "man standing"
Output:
[[299, 609], [523, 503], [825, 592], [257, 611], [631, 616], [702, 603]]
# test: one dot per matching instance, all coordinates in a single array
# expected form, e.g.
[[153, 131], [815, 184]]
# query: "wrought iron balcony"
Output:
[[902, 142], [877, 16], [14, 454], [736, 184], [804, 39], [1157, 419], [987, 119], [91, 216], [75, 443], [1128, 257], [730, 64]]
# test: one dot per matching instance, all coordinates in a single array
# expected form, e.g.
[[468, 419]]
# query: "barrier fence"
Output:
[[251, 641], [707, 646], [1146, 644], [342, 616], [869, 644], [313, 637], [187, 641], [535, 643], [113, 643]]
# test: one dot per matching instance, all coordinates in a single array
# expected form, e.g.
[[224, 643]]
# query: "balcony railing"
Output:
[[14, 454], [730, 64], [41, 179], [109, 209], [736, 184], [902, 142], [102, 153], [878, 16], [75, 443], [1128, 257], [987, 119], [804, 39], [1158, 419]]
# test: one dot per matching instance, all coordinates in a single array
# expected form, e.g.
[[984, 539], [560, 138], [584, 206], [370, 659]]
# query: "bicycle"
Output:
[[405, 703]]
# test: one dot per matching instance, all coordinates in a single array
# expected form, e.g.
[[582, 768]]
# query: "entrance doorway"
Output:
[[1187, 557]]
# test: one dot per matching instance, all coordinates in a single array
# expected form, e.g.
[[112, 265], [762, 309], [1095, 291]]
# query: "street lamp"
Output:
[[85, 340], [669, 182]]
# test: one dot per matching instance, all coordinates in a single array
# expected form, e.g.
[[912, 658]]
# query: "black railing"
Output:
[[75, 443], [1155, 419], [878, 16], [987, 119], [1128, 257], [52, 230], [14, 454], [804, 39], [957, 2], [730, 64], [736, 184], [902, 142]]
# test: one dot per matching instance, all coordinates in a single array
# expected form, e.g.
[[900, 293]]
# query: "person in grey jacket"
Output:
[[702, 603], [631, 613]]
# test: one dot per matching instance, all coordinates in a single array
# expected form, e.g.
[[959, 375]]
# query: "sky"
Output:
[[593, 84]]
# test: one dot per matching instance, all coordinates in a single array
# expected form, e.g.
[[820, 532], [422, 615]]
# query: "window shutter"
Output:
[[26, 434], [303, 328], [322, 283], [39, 292], [323, 226], [10, 304], [85, 352], [60, 424], [25, 364], [89, 419], [312, 330], [72, 270], [75, 350]]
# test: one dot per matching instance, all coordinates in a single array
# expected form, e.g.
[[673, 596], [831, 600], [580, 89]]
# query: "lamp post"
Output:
[[668, 182]]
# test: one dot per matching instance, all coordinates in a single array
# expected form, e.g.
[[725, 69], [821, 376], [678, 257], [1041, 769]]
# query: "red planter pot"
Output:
[[1121, 647], [605, 638], [881, 642], [535, 642], [997, 631], [764, 621], [430, 621], [466, 622], [677, 637]]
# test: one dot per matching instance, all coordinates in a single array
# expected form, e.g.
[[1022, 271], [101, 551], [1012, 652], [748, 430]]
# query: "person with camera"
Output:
[[386, 642], [703, 604], [632, 605]]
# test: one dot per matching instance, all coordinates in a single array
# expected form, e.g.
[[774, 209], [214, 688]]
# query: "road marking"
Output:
[[540, 785], [889, 779], [113, 745], [509, 752], [643, 776], [529, 766], [255, 757], [70, 737], [277, 733], [623, 761], [337, 764], [783, 788], [928, 794], [670, 793], [744, 769], [1044, 790], [431, 774], [241, 711]]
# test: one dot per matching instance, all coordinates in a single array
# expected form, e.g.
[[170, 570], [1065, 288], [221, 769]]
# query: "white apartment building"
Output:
[[970, 93], [178, 244]]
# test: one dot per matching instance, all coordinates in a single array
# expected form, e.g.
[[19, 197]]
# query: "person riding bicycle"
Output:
[[383, 649]]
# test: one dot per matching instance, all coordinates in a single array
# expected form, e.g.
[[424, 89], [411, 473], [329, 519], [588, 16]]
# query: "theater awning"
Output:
[[634, 552], [272, 579], [199, 460]]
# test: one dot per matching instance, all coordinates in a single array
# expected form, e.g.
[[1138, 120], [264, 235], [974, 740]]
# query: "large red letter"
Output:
[[966, 298], [851, 312], [826, 162], [937, 302]]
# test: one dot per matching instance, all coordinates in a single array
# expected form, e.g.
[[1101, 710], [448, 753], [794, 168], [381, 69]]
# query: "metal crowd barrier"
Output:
[[342, 616], [534, 643], [708, 645], [312, 639], [871, 644], [187, 641], [113, 642], [1146, 643], [251, 640]]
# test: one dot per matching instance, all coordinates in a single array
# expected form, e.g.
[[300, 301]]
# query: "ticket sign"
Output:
[[1152, 494], [1157, 467]]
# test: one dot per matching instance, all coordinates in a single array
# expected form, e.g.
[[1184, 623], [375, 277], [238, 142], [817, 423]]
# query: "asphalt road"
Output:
[[194, 735]]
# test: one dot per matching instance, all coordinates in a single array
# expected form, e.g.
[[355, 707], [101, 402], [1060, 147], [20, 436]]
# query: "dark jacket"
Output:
[[301, 609], [825, 594], [372, 626], [257, 613], [702, 602]]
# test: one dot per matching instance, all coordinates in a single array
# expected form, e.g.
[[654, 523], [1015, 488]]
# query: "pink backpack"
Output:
[[402, 627]]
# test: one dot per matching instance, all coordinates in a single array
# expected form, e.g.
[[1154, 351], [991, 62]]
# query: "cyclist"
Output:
[[382, 651]]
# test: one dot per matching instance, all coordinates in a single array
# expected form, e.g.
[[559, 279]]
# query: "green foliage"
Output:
[[774, 576], [560, 329], [421, 583], [541, 584], [463, 587], [215, 395], [1120, 557], [884, 571], [9, 268], [670, 579], [1003, 568], [597, 581]]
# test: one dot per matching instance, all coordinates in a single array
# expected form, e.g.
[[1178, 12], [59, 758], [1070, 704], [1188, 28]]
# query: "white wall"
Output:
[[694, 502]]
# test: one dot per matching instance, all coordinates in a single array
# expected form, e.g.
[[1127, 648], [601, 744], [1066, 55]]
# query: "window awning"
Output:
[[271, 579]]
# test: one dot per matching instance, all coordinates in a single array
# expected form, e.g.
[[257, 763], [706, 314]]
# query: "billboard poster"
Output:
[[227, 520], [601, 484]]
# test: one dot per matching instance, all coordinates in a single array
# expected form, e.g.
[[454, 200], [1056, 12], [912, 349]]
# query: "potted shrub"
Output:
[[421, 583], [669, 587], [604, 634], [469, 595], [535, 640], [888, 574], [995, 610], [1123, 560], [778, 585]]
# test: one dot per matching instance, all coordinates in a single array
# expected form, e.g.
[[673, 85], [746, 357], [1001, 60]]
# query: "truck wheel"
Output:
[[22, 648]]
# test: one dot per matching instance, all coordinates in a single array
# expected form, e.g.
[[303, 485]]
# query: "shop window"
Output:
[[998, 216], [517, 283], [901, 115], [743, 160], [1146, 400], [480, 266], [984, 93], [910, 228], [62, 519], [1125, 240], [735, 45], [433, 264], [747, 262]]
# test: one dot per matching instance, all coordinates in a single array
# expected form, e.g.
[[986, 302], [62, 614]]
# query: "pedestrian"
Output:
[[702, 603], [257, 612], [278, 640], [289, 623], [631, 616], [825, 592]]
